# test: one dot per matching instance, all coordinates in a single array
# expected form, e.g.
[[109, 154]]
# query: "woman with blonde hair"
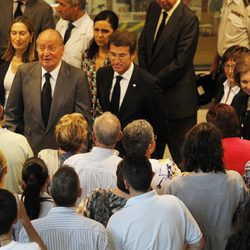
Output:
[[71, 133]]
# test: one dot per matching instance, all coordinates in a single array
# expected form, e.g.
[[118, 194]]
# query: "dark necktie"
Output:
[[18, 11], [68, 32], [115, 99], [161, 27], [46, 99]]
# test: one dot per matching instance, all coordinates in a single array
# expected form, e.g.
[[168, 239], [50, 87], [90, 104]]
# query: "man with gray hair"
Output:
[[97, 169], [138, 137], [76, 27]]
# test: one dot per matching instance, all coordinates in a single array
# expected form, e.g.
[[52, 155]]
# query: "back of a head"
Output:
[[71, 132], [225, 118], [107, 129], [202, 149], [137, 171], [137, 136], [34, 176], [8, 211], [65, 187], [123, 38]]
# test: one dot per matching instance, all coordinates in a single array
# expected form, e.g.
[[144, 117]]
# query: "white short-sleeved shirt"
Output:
[[155, 222]]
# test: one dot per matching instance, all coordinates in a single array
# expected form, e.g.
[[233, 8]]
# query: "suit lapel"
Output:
[[107, 84], [168, 30], [35, 91]]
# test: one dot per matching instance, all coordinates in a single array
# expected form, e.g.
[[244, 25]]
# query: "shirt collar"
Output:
[[77, 23], [54, 73], [139, 198], [105, 150], [127, 75]]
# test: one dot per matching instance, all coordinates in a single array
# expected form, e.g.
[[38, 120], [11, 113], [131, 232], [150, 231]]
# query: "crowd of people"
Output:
[[83, 129]]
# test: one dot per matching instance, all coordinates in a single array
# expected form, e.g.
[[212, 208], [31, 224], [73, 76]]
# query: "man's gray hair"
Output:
[[137, 136], [107, 128], [82, 3]]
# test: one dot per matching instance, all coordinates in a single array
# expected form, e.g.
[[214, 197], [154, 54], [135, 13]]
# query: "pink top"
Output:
[[236, 153]]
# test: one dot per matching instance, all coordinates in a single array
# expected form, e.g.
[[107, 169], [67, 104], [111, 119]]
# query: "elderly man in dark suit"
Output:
[[38, 11], [166, 49], [44, 91], [128, 91]]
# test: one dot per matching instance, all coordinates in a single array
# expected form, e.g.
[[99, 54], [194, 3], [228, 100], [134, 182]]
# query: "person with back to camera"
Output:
[[71, 134], [213, 195], [138, 137], [10, 211], [242, 102], [101, 203], [236, 150], [96, 55], [63, 228], [148, 220], [36, 180], [21, 49]]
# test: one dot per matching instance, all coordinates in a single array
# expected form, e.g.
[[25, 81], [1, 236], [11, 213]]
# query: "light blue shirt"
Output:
[[64, 229]]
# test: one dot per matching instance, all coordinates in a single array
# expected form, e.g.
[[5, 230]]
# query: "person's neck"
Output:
[[19, 54], [99, 145], [103, 52], [120, 193], [5, 239]]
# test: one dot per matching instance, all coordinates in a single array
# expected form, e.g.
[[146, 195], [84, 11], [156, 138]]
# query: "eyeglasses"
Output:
[[121, 57], [228, 66]]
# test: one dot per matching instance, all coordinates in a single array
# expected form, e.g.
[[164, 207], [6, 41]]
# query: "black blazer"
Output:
[[3, 70], [143, 98], [172, 59], [240, 104]]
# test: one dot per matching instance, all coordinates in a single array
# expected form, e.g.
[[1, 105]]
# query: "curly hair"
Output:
[[202, 149]]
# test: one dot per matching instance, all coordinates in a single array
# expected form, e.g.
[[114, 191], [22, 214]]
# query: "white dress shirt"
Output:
[[96, 169]]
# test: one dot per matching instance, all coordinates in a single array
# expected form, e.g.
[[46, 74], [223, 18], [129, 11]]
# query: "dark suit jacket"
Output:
[[3, 70], [143, 98], [39, 12], [240, 104], [24, 103], [172, 59]]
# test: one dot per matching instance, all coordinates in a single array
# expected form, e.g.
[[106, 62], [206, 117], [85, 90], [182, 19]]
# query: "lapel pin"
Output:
[[134, 85]]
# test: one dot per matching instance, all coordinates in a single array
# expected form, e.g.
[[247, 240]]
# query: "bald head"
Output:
[[106, 130]]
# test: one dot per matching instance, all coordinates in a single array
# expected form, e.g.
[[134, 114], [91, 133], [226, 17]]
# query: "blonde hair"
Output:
[[71, 131]]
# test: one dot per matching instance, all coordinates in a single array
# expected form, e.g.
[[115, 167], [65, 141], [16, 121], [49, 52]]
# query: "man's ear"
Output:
[[119, 137]]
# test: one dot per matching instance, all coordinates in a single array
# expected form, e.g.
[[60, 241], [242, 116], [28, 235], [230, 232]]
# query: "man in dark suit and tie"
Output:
[[166, 49], [128, 91], [44, 91], [38, 11]]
